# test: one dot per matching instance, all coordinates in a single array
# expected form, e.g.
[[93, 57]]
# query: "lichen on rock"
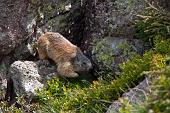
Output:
[[25, 77]]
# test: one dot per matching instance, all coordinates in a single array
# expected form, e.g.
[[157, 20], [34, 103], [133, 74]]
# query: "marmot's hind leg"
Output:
[[42, 54], [66, 69]]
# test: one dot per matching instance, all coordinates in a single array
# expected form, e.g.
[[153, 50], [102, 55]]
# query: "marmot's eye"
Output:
[[84, 63]]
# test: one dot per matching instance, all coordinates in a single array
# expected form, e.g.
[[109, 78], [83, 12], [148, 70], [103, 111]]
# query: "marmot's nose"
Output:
[[90, 65]]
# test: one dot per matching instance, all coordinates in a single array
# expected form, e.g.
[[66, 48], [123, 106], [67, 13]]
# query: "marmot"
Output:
[[68, 57]]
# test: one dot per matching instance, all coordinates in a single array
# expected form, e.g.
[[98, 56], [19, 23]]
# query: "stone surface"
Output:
[[25, 77], [118, 49], [12, 24], [123, 46], [46, 70], [115, 17], [113, 22]]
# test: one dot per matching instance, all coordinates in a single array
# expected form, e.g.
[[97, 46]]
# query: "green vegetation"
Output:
[[159, 99], [154, 28], [153, 23], [162, 46], [62, 95]]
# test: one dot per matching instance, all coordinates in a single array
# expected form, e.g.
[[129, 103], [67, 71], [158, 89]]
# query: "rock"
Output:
[[114, 17], [12, 24], [24, 51], [25, 78], [28, 76], [46, 69], [135, 95], [123, 49], [118, 50], [114, 23]]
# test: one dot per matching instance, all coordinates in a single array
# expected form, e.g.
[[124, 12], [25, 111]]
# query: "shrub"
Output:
[[158, 100], [153, 28], [162, 46], [154, 22], [134, 67]]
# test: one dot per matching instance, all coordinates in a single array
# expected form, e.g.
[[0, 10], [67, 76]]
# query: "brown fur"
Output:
[[67, 56]]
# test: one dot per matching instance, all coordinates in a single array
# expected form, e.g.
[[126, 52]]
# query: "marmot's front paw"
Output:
[[45, 62], [73, 75]]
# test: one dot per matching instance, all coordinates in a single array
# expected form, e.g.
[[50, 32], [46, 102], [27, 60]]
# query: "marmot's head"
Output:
[[80, 62]]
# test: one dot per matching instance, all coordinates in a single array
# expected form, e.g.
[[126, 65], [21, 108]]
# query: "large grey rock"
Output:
[[13, 18], [114, 23], [117, 50], [123, 49], [25, 78], [42, 16], [28, 76], [115, 17]]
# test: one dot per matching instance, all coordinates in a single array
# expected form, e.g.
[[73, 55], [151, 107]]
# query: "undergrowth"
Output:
[[158, 100], [153, 28], [63, 96], [153, 22]]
